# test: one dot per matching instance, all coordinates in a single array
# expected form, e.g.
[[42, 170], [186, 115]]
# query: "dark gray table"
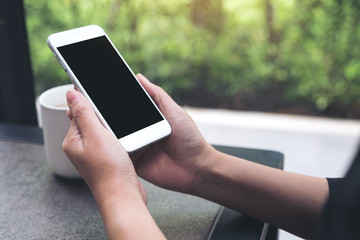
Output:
[[36, 204]]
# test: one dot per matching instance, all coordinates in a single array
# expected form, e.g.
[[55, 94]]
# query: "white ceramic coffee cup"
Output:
[[55, 124]]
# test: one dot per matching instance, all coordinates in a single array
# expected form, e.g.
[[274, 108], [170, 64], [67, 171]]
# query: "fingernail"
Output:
[[71, 96], [142, 77]]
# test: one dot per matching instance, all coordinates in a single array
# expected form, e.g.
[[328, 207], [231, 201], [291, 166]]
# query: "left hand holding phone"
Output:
[[108, 171], [94, 151]]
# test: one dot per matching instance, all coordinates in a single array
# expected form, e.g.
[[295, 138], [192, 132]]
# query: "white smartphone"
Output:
[[98, 70]]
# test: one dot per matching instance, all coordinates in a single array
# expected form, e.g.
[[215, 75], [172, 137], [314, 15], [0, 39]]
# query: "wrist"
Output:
[[223, 175], [117, 192], [123, 213], [210, 159]]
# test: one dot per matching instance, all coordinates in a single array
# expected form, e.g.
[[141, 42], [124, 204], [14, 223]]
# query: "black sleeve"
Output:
[[341, 215], [335, 184]]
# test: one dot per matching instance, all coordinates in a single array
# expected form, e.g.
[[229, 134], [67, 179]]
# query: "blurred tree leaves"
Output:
[[220, 51]]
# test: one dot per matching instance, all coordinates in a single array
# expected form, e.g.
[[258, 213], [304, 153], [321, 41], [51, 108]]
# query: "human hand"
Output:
[[178, 161], [96, 153], [107, 169]]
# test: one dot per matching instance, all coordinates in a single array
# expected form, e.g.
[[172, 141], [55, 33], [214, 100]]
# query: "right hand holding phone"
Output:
[[178, 161]]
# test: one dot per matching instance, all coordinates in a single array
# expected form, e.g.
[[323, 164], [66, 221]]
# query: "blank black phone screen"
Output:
[[110, 85]]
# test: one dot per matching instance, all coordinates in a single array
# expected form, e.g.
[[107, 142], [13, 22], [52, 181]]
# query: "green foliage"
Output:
[[308, 48]]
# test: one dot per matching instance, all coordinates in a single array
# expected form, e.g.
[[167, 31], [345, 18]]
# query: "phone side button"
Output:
[[62, 65], [71, 79]]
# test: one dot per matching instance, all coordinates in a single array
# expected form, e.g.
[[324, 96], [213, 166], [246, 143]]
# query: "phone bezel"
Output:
[[133, 141]]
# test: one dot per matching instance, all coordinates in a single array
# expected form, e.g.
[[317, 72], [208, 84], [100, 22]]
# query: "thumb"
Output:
[[82, 113], [166, 104]]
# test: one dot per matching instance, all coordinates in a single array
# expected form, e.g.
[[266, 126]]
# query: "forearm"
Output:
[[127, 217], [289, 201]]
